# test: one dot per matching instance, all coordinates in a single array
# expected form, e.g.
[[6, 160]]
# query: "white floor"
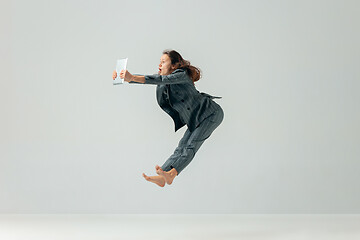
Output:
[[182, 226]]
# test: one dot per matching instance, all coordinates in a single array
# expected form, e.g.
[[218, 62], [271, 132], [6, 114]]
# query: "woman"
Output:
[[177, 96]]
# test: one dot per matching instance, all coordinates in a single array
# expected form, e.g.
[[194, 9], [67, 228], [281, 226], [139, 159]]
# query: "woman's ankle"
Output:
[[173, 172]]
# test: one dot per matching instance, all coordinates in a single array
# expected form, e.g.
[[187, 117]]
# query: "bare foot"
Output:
[[159, 180], [169, 176]]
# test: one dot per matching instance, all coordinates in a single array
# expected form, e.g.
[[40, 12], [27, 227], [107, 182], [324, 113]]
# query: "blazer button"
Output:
[[182, 100], [188, 108], [177, 92]]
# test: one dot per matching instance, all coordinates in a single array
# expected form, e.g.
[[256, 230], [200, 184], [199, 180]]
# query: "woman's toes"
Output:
[[160, 171], [158, 168]]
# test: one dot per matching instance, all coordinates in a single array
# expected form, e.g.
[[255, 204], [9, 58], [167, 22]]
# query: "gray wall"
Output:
[[288, 72]]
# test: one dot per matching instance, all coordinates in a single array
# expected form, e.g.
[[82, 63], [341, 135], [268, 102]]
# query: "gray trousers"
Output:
[[191, 141]]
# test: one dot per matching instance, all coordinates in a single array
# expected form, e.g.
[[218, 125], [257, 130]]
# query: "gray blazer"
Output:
[[178, 97]]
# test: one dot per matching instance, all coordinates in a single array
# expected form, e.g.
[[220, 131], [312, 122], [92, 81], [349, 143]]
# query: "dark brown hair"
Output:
[[177, 60]]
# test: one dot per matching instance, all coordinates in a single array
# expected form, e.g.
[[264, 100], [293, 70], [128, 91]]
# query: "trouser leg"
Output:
[[191, 142], [177, 153]]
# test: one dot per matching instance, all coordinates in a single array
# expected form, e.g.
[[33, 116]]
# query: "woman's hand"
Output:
[[126, 75], [123, 74]]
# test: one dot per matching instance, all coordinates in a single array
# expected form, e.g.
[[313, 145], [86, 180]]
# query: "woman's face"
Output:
[[165, 67]]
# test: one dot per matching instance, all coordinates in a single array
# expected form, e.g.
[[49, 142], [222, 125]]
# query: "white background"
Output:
[[288, 72]]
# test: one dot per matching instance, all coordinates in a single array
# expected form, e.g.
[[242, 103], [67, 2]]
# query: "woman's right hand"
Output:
[[114, 74]]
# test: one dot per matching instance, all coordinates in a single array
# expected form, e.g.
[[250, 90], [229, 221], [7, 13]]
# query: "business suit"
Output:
[[178, 97]]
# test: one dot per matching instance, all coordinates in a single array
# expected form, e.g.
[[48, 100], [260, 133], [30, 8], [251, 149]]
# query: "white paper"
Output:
[[120, 65]]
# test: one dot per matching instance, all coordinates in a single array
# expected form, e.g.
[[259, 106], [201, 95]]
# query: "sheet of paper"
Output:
[[120, 65]]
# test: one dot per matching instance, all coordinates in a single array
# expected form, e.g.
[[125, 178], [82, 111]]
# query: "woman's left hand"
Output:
[[126, 75]]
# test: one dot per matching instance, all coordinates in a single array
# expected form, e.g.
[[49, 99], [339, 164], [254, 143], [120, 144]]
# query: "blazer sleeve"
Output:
[[176, 77]]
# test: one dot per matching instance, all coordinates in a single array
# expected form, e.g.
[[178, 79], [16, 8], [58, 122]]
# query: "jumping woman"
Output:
[[177, 96]]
